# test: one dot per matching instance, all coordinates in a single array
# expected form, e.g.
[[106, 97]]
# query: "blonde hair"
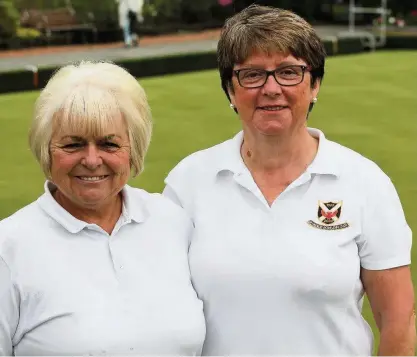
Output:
[[88, 97]]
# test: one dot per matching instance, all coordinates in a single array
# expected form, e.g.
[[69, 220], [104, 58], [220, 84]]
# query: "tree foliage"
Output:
[[162, 12], [9, 19], [105, 11]]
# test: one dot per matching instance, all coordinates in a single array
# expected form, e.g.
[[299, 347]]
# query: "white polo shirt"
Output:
[[69, 288], [284, 280]]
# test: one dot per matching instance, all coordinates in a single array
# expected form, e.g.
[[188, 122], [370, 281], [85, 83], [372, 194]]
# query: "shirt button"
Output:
[[121, 267]]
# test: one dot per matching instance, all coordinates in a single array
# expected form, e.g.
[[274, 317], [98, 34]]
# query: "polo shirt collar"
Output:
[[325, 162], [132, 209], [230, 158]]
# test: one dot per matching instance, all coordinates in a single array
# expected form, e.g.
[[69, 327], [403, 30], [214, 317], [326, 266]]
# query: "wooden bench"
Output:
[[60, 20]]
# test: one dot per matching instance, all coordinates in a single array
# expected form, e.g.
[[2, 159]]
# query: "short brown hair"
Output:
[[269, 30]]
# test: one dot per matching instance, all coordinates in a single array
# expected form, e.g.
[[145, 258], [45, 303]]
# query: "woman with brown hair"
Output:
[[291, 228]]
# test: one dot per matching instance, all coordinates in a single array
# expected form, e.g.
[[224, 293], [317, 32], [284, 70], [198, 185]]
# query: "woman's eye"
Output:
[[288, 72], [110, 145], [253, 74], [73, 146]]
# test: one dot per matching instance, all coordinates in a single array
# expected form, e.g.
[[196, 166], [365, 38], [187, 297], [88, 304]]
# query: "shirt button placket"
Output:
[[116, 259]]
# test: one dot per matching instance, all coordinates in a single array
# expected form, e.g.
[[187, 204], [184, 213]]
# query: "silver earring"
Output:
[[231, 106], [315, 100]]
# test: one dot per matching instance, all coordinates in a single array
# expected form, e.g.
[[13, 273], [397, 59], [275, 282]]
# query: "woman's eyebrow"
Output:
[[73, 137], [111, 136], [259, 66]]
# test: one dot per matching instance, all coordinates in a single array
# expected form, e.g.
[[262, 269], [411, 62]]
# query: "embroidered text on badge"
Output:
[[328, 214]]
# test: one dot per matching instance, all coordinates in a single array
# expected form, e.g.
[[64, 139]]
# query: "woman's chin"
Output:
[[272, 125], [272, 129], [91, 199]]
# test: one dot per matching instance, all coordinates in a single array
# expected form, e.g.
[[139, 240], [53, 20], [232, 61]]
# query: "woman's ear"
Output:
[[232, 99], [315, 90]]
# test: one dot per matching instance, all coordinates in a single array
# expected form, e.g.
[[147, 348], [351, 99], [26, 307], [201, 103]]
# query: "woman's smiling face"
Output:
[[90, 170], [273, 109]]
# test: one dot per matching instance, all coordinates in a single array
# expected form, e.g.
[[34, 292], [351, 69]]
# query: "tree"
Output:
[[402, 6], [193, 11], [9, 19], [39, 4], [105, 12], [162, 11]]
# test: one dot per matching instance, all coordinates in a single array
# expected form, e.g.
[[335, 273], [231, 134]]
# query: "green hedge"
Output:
[[349, 45], [23, 80], [15, 81], [187, 62], [402, 42]]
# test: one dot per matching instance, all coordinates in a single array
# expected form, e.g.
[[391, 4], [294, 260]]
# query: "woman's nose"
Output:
[[92, 158]]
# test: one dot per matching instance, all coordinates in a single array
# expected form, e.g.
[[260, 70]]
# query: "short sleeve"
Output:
[[9, 311], [170, 193], [386, 238], [180, 184]]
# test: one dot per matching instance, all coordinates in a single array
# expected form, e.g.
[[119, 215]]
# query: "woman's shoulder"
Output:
[[203, 161], [18, 229], [154, 203], [24, 219], [160, 216], [358, 167]]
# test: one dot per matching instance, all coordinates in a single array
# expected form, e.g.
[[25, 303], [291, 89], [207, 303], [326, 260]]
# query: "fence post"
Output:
[[34, 70]]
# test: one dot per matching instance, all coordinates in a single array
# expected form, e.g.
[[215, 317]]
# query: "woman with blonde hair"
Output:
[[94, 266]]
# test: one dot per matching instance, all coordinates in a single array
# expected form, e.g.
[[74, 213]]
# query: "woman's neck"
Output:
[[270, 154], [105, 215], [276, 162]]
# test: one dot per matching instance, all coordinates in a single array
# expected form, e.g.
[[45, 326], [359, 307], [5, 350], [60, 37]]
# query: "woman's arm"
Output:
[[9, 310], [391, 296]]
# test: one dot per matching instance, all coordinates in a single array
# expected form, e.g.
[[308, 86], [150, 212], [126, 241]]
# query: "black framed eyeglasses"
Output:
[[285, 76]]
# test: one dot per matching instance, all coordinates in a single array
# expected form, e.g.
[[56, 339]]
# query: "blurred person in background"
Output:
[[291, 228], [94, 266], [130, 17]]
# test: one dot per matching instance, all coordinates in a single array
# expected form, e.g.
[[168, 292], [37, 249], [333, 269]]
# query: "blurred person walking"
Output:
[[130, 16]]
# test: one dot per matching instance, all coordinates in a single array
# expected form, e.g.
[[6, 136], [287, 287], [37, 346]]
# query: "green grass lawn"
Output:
[[368, 102]]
